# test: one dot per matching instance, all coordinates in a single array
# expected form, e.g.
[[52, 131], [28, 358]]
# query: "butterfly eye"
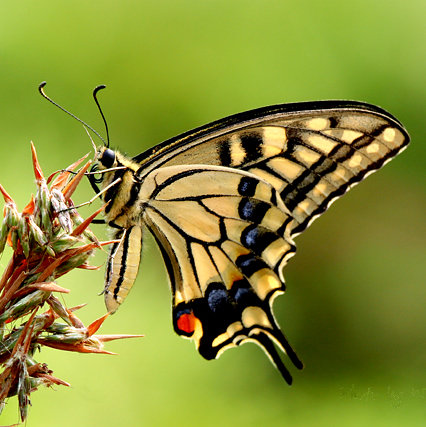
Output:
[[108, 158]]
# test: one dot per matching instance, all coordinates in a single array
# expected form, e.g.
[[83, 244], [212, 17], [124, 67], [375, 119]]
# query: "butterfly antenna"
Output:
[[95, 97], [43, 94]]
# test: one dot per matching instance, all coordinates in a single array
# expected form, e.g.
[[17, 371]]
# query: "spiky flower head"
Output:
[[49, 239]]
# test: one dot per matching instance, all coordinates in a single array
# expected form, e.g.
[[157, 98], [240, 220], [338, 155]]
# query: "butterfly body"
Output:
[[224, 203]]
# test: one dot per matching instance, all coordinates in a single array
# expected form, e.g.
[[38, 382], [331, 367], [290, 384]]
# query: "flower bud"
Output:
[[24, 237], [61, 209], [36, 232], [74, 262], [24, 305]]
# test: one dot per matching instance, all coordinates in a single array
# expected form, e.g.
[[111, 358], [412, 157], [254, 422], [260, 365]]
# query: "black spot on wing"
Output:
[[217, 298], [250, 264], [333, 122], [252, 210], [225, 152], [257, 238], [324, 166], [243, 294], [247, 186], [252, 145]]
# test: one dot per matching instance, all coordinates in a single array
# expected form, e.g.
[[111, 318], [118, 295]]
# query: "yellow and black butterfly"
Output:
[[224, 203]]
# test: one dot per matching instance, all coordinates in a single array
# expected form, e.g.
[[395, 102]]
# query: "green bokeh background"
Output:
[[354, 309]]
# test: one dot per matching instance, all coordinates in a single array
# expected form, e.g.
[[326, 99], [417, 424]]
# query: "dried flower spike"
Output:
[[48, 239]]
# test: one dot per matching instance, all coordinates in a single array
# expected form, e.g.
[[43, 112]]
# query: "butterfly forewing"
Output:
[[224, 203], [311, 156]]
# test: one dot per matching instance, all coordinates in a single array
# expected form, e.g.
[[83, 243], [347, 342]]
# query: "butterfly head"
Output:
[[110, 168], [102, 171]]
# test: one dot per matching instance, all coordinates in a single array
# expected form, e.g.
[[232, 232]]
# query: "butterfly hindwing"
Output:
[[221, 234]]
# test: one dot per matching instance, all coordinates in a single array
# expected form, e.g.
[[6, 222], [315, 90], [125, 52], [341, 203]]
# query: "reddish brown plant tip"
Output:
[[72, 185], [89, 267], [79, 229], [94, 326], [75, 321], [76, 251], [22, 341], [109, 242], [37, 169], [113, 337], [61, 180], [29, 209], [43, 286], [51, 267], [38, 368], [47, 241], [6, 196], [77, 307], [72, 166], [80, 347], [11, 287], [51, 380], [9, 240], [29, 332]]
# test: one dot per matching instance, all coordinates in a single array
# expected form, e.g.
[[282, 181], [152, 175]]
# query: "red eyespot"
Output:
[[186, 323]]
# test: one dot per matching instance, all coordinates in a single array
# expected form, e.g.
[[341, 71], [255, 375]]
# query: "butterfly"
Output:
[[224, 203]]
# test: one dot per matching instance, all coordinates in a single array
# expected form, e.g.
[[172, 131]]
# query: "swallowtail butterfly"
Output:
[[225, 202]]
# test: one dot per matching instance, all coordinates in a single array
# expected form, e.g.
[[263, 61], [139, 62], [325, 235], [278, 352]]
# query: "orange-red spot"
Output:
[[186, 323]]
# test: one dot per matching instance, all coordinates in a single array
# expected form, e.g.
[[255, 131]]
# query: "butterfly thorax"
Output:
[[123, 197]]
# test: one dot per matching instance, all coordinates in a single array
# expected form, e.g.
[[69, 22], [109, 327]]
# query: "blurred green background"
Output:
[[354, 309]]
